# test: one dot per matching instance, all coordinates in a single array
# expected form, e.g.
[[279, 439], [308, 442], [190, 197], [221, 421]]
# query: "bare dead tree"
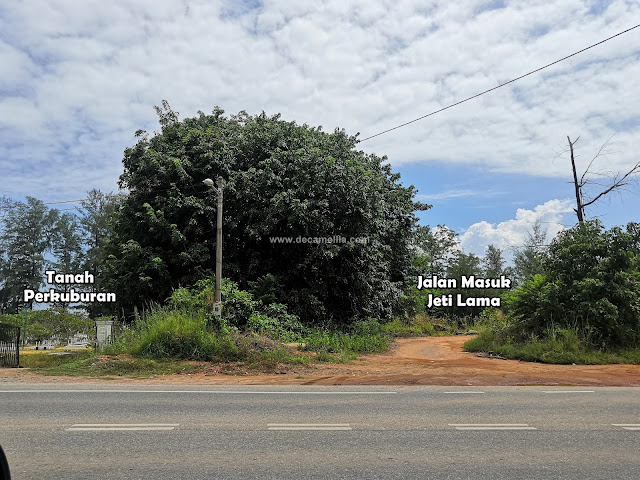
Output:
[[617, 180]]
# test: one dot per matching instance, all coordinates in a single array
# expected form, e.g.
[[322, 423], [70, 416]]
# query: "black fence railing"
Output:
[[9, 346]]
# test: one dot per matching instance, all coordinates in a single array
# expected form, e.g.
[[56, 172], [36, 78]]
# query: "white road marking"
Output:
[[114, 429], [103, 427], [126, 424], [627, 426], [462, 391], [569, 391], [491, 426], [235, 392], [308, 426]]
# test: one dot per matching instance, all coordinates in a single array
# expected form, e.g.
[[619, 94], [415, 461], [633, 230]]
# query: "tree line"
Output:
[[281, 180], [35, 238]]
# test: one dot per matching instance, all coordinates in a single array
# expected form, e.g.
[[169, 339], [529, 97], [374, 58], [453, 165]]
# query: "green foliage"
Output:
[[282, 180], [12, 319], [93, 365], [527, 301], [564, 346], [266, 289], [332, 341], [421, 326], [25, 239], [96, 223], [181, 335], [185, 334], [240, 310], [592, 286], [67, 249], [60, 322], [527, 260], [55, 322], [362, 337], [34, 238], [433, 250]]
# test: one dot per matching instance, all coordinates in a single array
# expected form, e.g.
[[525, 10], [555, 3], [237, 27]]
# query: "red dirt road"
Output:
[[411, 361]]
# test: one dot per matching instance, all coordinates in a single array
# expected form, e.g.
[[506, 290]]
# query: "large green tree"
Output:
[[282, 180], [67, 249], [433, 250], [6, 204], [26, 237], [527, 260], [96, 215]]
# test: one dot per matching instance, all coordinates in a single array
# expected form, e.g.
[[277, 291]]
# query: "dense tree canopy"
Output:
[[282, 180]]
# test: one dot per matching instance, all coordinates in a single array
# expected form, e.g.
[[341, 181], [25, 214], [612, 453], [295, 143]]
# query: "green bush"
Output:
[[177, 334], [332, 341], [592, 286], [249, 330], [239, 311], [53, 322], [181, 335], [560, 346], [420, 326]]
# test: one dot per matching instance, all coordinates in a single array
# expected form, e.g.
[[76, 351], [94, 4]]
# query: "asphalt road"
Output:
[[86, 432]]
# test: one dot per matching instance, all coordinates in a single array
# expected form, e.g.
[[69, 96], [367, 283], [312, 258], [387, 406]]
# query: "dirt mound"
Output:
[[411, 361]]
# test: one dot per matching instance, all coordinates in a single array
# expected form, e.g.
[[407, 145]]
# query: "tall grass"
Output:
[[562, 346], [177, 334], [364, 337]]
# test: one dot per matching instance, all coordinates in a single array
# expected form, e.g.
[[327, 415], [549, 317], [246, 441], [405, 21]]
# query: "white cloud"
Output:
[[511, 234], [92, 71], [446, 195]]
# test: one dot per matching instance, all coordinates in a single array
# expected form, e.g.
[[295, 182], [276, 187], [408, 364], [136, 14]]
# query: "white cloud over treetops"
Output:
[[511, 234]]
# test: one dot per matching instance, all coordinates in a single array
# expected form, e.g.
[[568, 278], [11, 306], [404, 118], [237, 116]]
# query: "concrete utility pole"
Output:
[[217, 305], [218, 300]]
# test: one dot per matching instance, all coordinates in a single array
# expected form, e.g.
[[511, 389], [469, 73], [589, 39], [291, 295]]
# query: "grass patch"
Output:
[[45, 360], [423, 325], [181, 340], [559, 347], [420, 326], [367, 337], [89, 364]]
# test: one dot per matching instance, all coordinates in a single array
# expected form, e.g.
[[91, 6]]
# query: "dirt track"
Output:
[[411, 361]]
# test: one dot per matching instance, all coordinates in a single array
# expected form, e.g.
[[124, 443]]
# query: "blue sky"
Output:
[[78, 78]]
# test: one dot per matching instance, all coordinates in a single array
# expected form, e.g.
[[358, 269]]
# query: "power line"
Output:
[[499, 86]]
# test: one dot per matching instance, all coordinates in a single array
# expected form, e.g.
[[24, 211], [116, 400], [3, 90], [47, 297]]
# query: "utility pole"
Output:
[[217, 304]]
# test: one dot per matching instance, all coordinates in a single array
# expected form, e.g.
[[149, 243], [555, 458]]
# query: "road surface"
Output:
[[201, 432]]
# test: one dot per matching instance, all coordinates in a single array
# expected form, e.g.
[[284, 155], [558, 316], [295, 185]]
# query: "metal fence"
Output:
[[9, 346]]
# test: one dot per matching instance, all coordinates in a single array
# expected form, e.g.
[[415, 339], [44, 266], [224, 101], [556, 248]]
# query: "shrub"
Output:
[[592, 286], [177, 334], [331, 341], [240, 310]]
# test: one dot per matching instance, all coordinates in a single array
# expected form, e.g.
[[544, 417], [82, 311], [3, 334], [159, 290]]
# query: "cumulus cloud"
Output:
[[77, 79], [511, 234]]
